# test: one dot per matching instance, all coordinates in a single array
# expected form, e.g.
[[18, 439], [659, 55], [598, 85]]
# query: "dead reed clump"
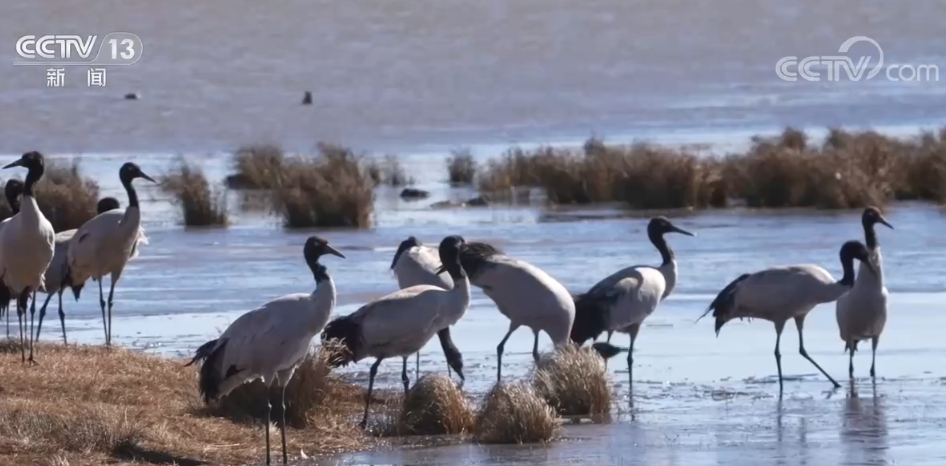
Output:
[[329, 190], [435, 406], [461, 167], [573, 382], [388, 171], [258, 166], [65, 197], [514, 413], [126, 406], [200, 205]]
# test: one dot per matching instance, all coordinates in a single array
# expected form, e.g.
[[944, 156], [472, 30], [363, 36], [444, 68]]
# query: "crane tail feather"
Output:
[[591, 317], [723, 305], [210, 377], [347, 332], [5, 297]]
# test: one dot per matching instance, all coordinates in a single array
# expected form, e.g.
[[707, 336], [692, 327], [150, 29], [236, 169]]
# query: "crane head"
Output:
[[660, 226], [856, 250], [450, 254], [872, 216], [130, 171], [28, 160], [316, 247], [12, 191]]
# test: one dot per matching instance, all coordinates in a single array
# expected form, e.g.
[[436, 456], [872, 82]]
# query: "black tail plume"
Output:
[[209, 380], [347, 332], [607, 350], [723, 303], [454, 357], [591, 317], [475, 256], [5, 297]]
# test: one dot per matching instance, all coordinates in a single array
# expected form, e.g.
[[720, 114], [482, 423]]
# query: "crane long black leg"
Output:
[[779, 326], [102, 303], [21, 316], [269, 408], [535, 347], [371, 374], [111, 292], [62, 319], [32, 318], [800, 323], [873, 354], [499, 353], [632, 330], [282, 426], [42, 314], [850, 362], [404, 378], [417, 368]]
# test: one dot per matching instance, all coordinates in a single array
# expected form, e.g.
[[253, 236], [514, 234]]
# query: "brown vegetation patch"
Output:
[[388, 171], [514, 413], [574, 382], [435, 406], [201, 205], [461, 167], [128, 406]]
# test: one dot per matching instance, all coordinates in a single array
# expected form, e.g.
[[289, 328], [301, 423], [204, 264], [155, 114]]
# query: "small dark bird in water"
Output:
[[307, 100], [131, 96]]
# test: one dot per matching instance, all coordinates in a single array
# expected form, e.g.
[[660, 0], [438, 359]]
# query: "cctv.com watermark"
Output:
[[843, 67]]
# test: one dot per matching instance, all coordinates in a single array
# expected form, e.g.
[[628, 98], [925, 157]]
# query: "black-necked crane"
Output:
[[271, 341], [401, 323], [524, 293], [624, 299], [27, 244], [778, 294], [57, 277], [862, 312], [103, 245], [414, 264], [12, 191]]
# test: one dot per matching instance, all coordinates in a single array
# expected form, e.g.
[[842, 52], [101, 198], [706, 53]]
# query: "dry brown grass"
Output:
[[200, 205], [461, 167], [332, 189], [125, 406], [387, 171], [573, 381], [258, 166], [514, 413], [435, 406], [849, 170], [641, 176], [65, 197]]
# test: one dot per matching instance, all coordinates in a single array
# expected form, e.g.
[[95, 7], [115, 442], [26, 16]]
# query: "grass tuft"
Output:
[[514, 413], [461, 167], [435, 406], [258, 166], [331, 189], [388, 171], [200, 205], [573, 381]]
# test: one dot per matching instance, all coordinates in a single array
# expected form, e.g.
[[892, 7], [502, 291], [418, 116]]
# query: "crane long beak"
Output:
[[329, 249], [677, 229], [884, 222], [143, 175], [17, 163]]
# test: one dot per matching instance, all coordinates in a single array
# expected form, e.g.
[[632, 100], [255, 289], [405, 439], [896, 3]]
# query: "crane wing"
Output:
[[399, 317], [267, 334]]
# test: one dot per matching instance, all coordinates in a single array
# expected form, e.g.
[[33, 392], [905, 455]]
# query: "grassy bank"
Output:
[[125, 406], [846, 170]]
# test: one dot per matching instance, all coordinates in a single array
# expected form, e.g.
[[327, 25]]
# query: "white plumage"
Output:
[[781, 293], [401, 323], [862, 312], [522, 292], [103, 245], [27, 244], [268, 343], [12, 191], [624, 299], [56, 278], [417, 264]]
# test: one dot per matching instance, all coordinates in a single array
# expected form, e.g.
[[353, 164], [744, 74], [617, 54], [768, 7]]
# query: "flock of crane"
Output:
[[269, 342]]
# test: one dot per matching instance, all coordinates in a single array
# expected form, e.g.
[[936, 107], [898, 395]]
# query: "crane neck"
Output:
[[870, 236], [130, 189], [660, 242], [847, 265]]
